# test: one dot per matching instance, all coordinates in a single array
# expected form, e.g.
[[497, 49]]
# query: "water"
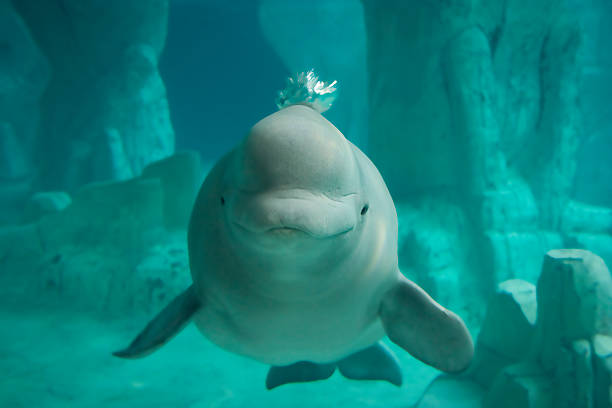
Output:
[[488, 122]]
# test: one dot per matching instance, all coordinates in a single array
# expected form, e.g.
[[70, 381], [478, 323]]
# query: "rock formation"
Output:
[[475, 106], [113, 246], [562, 358], [104, 112]]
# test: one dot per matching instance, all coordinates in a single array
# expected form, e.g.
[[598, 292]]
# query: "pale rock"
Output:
[[565, 359], [126, 215], [46, 202], [574, 302], [108, 250], [507, 330], [135, 103], [471, 85]]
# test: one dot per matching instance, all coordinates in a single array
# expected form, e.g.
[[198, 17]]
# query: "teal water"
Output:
[[58, 358], [489, 122]]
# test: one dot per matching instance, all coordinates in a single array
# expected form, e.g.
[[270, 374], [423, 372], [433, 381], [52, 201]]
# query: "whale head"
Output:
[[293, 182]]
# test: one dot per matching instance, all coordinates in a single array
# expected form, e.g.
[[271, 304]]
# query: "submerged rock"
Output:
[[567, 362], [507, 330], [113, 246], [544, 351], [104, 58], [126, 215], [43, 203]]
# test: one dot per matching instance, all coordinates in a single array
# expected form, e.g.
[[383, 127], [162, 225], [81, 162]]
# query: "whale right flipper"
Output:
[[168, 323], [428, 331], [302, 371]]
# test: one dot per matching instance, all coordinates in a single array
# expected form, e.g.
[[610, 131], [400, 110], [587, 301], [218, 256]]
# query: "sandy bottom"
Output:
[[53, 357]]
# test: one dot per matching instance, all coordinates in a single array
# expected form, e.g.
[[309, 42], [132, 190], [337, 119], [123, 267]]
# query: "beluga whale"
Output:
[[293, 255]]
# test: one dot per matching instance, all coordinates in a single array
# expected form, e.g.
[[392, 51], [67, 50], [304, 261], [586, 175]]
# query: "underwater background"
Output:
[[490, 122]]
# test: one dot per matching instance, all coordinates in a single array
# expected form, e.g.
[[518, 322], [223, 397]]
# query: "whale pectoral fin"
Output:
[[428, 331], [168, 323], [377, 362], [302, 371]]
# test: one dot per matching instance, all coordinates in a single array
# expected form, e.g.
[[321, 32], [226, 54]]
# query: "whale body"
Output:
[[293, 256]]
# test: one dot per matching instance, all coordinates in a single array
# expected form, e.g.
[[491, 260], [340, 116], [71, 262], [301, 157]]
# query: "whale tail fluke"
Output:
[[376, 362], [167, 324]]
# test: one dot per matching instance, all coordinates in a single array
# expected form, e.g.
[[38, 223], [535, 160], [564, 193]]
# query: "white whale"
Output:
[[293, 255]]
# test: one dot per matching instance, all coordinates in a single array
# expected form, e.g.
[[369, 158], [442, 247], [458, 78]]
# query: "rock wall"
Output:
[[476, 105], [104, 112]]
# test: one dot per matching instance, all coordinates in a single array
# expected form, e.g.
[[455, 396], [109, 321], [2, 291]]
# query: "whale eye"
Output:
[[365, 209], [222, 200]]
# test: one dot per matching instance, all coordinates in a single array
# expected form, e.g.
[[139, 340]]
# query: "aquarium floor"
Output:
[[54, 357]]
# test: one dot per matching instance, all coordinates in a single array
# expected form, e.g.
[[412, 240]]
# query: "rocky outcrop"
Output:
[[561, 358], [477, 104], [104, 113], [112, 246], [44, 203], [508, 327]]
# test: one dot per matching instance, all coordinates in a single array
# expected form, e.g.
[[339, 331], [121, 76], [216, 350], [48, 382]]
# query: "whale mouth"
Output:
[[284, 232], [289, 214], [296, 232]]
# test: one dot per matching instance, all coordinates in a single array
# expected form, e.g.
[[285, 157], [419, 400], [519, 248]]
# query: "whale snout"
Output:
[[294, 213]]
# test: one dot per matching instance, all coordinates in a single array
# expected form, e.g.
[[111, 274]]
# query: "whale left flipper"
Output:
[[167, 324], [428, 331]]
